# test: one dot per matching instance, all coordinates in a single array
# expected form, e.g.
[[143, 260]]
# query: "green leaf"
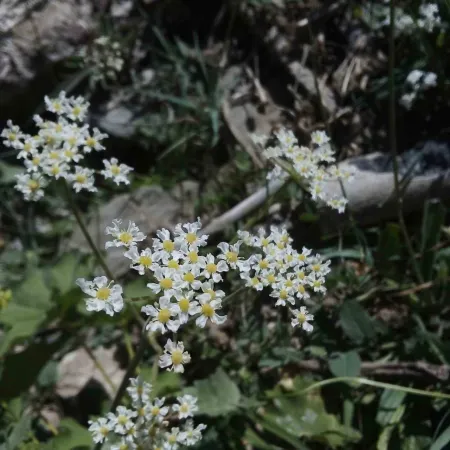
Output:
[[346, 365], [166, 383], [390, 401], [71, 435], [441, 442], [252, 438], [24, 322], [217, 395], [33, 291], [356, 323], [19, 433], [64, 272], [20, 370], [8, 172], [389, 247]]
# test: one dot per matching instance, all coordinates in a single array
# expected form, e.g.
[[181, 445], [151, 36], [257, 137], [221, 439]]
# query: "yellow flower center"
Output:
[[122, 420], [184, 305], [289, 258], [72, 141], [172, 264], [36, 161], [155, 410], [289, 283], [80, 178], [271, 278], [33, 185], [177, 357], [115, 169], [56, 106], [283, 294], [103, 293], [104, 431], [27, 147], [211, 293], [54, 155], [301, 275], [207, 310], [59, 128], [301, 318], [265, 242], [232, 256], [145, 261], [172, 439], [12, 137], [189, 277], [193, 257], [191, 237], [281, 245], [76, 111], [164, 315], [141, 412], [69, 153], [125, 237], [50, 140], [184, 408], [255, 281], [211, 268], [166, 283], [55, 170], [263, 264], [168, 245], [302, 257], [316, 267], [301, 289]]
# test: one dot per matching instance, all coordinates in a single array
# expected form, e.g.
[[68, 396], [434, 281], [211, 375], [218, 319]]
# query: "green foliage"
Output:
[[345, 364], [71, 435], [356, 323]]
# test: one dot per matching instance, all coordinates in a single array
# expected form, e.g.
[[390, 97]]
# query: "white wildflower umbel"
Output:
[[122, 421], [104, 296], [162, 313], [99, 429], [174, 356], [141, 261], [124, 237], [115, 171], [186, 406]]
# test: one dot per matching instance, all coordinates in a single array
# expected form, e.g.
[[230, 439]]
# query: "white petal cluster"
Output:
[[291, 276], [58, 148], [416, 82], [315, 166], [147, 423], [104, 296]]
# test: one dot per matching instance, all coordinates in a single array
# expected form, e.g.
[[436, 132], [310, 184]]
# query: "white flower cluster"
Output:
[[104, 58], [428, 19], [416, 82], [290, 275], [146, 424], [58, 147], [314, 166]]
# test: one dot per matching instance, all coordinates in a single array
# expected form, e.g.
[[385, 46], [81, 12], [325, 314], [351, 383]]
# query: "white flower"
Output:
[[83, 178], [139, 390], [56, 170], [168, 282], [31, 186], [230, 253], [319, 138], [104, 296], [190, 435], [186, 406], [124, 444], [189, 277], [76, 108], [302, 318], [253, 282], [99, 429], [122, 421], [93, 142], [186, 306], [162, 314], [207, 310], [34, 164], [163, 243], [211, 269], [174, 356], [157, 410], [117, 172], [142, 260], [12, 135], [123, 237], [172, 439], [187, 234], [27, 147], [283, 295]]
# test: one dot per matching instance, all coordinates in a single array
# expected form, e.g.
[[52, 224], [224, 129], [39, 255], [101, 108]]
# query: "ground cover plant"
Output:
[[226, 227]]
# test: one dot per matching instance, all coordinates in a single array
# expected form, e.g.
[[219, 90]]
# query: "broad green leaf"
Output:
[[20, 370], [217, 395], [390, 401], [385, 437], [441, 442], [356, 323], [33, 291], [166, 382], [252, 438], [346, 364], [64, 272], [8, 172], [70, 435], [19, 433]]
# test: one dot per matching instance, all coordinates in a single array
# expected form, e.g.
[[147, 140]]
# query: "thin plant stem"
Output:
[[100, 367], [393, 143], [84, 230]]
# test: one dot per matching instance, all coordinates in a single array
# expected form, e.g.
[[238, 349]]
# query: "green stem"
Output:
[[84, 230], [377, 384]]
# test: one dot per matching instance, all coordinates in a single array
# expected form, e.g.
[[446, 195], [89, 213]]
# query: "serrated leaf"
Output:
[[346, 364], [356, 323], [217, 395], [70, 435]]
